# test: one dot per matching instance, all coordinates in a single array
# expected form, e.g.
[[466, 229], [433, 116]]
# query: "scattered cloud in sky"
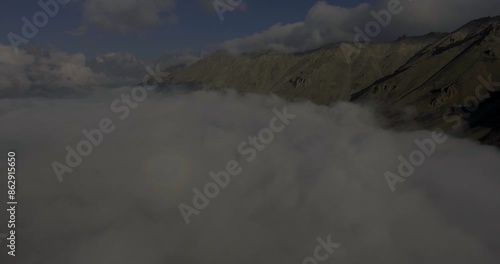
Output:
[[324, 23], [43, 72], [126, 16], [208, 5], [49, 72], [327, 23], [322, 175]]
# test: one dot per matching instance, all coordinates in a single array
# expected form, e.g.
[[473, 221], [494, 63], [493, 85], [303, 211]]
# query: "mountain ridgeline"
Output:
[[445, 78]]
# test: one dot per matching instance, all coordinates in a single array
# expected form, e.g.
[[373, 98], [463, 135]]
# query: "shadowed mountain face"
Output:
[[449, 80]]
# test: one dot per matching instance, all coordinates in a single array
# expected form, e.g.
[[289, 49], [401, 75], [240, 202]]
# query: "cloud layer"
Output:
[[322, 175], [327, 23]]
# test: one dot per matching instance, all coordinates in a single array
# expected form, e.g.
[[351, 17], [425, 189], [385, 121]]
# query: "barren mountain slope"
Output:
[[321, 75], [453, 72], [437, 74]]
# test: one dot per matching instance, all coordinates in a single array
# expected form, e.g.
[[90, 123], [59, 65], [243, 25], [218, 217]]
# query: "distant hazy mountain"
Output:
[[126, 67], [435, 73], [119, 66], [184, 57]]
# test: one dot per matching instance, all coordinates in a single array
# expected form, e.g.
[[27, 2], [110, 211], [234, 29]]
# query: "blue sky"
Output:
[[197, 28], [145, 28]]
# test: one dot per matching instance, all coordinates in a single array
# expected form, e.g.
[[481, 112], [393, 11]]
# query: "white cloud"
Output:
[[322, 175], [208, 5], [126, 15], [49, 72], [43, 72], [326, 23]]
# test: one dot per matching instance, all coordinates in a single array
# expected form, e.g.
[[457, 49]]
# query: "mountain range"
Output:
[[439, 80]]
